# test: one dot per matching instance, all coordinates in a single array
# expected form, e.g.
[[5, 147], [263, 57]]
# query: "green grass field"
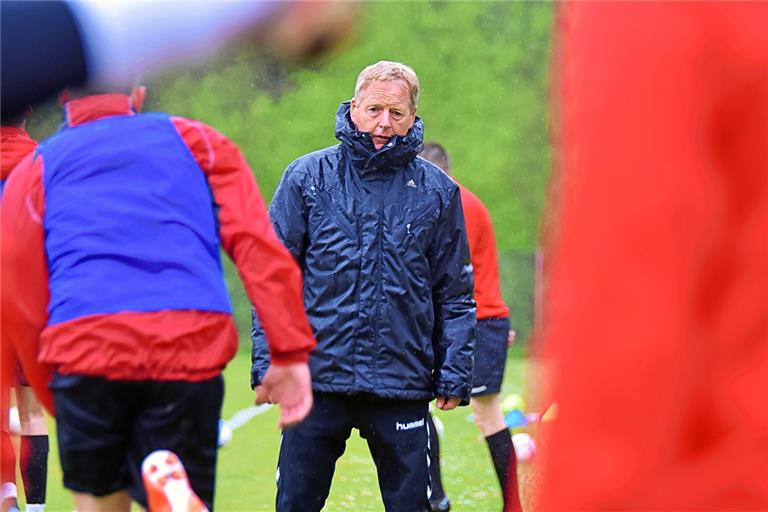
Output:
[[246, 472]]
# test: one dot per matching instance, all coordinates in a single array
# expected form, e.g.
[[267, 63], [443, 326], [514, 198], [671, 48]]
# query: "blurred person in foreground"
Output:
[[113, 294], [48, 46], [657, 321], [379, 235], [493, 337], [15, 144]]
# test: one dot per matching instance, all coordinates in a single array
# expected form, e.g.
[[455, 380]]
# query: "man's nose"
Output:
[[384, 120]]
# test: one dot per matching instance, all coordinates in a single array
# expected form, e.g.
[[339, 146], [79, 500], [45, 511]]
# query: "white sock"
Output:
[[34, 507], [8, 490]]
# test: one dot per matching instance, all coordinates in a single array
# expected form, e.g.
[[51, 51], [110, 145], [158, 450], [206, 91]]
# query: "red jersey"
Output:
[[484, 257]]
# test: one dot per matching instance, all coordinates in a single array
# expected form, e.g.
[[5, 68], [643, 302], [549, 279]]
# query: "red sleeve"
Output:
[[271, 276], [24, 288]]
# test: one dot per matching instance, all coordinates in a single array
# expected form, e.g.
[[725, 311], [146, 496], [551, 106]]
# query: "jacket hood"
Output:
[[400, 149]]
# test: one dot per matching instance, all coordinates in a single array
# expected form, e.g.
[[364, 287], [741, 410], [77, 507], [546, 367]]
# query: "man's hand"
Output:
[[511, 335], [290, 386], [446, 404]]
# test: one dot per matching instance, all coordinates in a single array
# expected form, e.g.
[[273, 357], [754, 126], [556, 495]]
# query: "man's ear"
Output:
[[137, 97]]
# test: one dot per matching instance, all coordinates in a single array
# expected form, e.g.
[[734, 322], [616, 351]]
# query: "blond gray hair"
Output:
[[388, 71]]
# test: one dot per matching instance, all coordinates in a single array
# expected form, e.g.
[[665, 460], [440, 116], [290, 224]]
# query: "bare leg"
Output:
[[116, 502], [31, 415], [486, 411]]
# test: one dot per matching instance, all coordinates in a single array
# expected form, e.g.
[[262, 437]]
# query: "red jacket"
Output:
[[484, 257], [162, 344], [15, 144]]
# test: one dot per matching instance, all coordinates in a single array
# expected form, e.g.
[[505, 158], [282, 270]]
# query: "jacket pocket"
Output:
[[329, 209], [419, 222]]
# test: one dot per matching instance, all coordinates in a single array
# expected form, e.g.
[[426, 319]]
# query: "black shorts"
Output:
[[490, 355], [105, 428]]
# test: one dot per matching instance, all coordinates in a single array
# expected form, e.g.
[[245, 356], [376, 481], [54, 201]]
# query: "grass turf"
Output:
[[246, 467]]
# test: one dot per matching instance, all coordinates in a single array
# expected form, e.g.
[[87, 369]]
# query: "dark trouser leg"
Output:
[[505, 462], [396, 431], [308, 455]]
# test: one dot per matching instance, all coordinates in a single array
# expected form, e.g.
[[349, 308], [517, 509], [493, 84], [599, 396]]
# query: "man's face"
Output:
[[384, 110]]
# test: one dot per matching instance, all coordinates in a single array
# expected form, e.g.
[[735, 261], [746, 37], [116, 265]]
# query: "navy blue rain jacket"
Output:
[[380, 238]]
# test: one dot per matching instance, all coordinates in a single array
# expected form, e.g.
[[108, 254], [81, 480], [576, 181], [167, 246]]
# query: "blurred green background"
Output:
[[483, 68]]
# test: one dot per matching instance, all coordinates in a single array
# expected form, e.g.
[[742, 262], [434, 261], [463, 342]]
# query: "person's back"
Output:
[[131, 228], [115, 225]]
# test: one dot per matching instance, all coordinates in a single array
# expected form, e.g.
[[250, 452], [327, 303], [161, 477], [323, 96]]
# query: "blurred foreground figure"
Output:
[[113, 293], [50, 45], [658, 285]]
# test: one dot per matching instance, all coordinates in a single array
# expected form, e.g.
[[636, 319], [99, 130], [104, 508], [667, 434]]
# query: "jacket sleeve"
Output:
[[454, 335], [288, 214], [270, 275], [24, 289]]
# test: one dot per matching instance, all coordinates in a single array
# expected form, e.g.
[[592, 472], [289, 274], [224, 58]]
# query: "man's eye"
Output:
[[373, 109], [397, 113]]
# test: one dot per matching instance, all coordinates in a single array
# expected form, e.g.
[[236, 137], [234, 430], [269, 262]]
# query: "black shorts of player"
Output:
[[490, 355], [105, 428]]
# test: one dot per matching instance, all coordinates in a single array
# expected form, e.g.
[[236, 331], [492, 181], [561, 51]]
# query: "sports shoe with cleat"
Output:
[[167, 485]]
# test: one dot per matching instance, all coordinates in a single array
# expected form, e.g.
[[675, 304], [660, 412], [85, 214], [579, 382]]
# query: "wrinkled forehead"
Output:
[[391, 92]]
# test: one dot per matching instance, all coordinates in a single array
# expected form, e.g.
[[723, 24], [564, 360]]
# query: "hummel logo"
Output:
[[410, 425], [410, 184]]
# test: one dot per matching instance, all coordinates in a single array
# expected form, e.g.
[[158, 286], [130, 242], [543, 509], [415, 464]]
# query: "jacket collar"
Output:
[[90, 108], [400, 149], [16, 144]]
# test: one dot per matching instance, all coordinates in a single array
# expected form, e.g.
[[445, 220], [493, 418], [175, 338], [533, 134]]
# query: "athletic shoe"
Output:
[[443, 505], [167, 485]]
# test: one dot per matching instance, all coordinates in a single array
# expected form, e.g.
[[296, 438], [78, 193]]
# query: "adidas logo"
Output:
[[411, 183]]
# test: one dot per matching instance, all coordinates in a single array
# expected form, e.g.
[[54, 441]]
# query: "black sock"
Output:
[[505, 463], [34, 467], [434, 462]]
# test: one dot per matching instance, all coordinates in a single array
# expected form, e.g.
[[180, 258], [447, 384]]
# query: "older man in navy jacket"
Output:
[[379, 234]]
